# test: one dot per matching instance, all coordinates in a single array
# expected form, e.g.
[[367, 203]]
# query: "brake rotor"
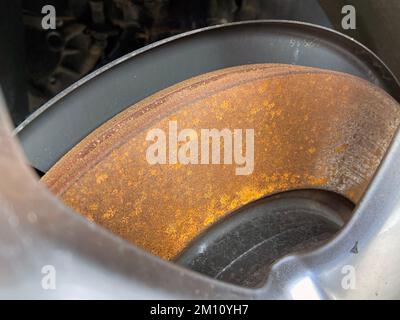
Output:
[[313, 129]]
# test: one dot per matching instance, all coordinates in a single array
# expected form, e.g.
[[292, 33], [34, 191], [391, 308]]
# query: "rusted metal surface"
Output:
[[312, 129]]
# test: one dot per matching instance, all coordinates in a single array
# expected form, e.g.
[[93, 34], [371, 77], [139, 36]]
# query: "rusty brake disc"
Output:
[[313, 128]]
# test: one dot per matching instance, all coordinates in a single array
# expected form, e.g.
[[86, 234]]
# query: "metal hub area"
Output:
[[311, 129], [241, 248]]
